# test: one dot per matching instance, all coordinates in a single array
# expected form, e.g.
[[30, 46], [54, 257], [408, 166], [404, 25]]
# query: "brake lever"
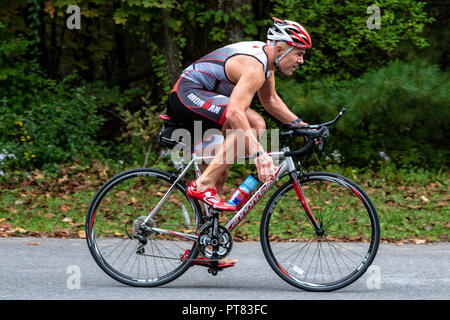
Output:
[[321, 146], [324, 136]]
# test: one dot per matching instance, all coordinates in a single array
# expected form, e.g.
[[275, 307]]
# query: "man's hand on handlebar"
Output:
[[265, 167], [318, 132], [299, 123]]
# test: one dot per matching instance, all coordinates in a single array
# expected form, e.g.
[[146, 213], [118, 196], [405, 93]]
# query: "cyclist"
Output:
[[218, 89]]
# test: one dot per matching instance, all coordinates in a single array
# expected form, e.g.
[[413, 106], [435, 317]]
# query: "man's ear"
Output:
[[280, 48]]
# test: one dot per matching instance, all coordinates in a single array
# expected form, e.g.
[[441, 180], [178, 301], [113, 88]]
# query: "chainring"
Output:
[[223, 243]]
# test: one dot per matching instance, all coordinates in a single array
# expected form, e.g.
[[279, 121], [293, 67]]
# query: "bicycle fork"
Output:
[[301, 197]]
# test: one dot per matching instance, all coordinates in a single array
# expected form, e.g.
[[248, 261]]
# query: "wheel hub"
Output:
[[144, 230]]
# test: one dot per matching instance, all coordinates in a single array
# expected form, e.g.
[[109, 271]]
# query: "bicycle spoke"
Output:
[[154, 260]]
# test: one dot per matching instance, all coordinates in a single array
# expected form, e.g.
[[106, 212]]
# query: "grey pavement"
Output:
[[41, 269]]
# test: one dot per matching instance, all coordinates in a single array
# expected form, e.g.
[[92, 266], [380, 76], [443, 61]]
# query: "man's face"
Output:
[[291, 61]]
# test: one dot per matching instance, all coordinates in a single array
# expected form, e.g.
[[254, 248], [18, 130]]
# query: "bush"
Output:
[[55, 125], [401, 110]]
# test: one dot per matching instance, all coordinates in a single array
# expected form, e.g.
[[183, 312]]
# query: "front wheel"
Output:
[[311, 260]]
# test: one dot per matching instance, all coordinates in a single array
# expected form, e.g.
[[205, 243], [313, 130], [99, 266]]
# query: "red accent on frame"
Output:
[[299, 193], [248, 205]]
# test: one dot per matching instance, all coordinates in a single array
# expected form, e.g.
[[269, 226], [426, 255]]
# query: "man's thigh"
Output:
[[255, 120]]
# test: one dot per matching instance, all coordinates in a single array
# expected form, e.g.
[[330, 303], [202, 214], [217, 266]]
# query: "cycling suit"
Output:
[[203, 89]]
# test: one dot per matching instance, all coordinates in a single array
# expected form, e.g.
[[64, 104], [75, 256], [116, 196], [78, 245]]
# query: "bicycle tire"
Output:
[[350, 222], [114, 214]]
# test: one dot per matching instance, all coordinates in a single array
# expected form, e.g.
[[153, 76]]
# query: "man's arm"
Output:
[[273, 103], [250, 81]]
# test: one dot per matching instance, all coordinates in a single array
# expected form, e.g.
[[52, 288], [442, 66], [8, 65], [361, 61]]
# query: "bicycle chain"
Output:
[[200, 227], [180, 259]]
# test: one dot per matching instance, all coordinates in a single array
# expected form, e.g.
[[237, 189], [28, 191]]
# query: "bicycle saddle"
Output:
[[169, 126]]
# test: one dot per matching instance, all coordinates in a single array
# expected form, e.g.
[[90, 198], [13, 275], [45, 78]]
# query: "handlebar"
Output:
[[326, 124], [312, 132]]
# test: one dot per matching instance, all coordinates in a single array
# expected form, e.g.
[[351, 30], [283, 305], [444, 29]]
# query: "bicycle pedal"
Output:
[[214, 271], [210, 264]]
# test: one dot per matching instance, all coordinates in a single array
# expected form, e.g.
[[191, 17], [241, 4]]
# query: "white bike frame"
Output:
[[287, 165]]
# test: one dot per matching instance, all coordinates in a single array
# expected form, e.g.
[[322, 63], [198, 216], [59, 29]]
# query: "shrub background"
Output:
[[94, 93], [402, 110]]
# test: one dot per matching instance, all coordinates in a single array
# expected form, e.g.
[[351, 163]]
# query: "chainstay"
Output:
[[199, 227], [172, 258]]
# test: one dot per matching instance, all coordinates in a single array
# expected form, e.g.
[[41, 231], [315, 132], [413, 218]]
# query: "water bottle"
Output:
[[242, 193]]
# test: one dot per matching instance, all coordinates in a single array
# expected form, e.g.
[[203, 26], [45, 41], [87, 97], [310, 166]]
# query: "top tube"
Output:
[[273, 154]]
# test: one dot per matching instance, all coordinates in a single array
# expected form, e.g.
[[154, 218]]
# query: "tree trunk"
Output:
[[170, 49], [236, 29]]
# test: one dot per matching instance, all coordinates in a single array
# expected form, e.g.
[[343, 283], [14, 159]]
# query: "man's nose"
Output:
[[300, 60]]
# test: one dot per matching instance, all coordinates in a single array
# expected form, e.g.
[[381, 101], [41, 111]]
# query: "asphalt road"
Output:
[[41, 269]]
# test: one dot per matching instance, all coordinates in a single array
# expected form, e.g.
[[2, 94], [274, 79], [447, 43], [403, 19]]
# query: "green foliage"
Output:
[[343, 45], [57, 125], [128, 53], [142, 128], [401, 110]]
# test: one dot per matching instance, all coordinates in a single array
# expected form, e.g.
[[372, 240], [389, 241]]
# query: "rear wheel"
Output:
[[116, 239], [320, 262]]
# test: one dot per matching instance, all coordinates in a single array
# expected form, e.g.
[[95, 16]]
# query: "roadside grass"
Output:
[[412, 204]]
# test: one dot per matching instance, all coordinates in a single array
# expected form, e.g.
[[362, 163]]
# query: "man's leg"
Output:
[[216, 172], [221, 180]]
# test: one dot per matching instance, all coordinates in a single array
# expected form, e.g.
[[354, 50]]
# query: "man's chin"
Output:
[[288, 72]]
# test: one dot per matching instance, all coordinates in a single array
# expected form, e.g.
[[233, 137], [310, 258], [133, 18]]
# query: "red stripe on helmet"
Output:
[[297, 36], [277, 20], [305, 34]]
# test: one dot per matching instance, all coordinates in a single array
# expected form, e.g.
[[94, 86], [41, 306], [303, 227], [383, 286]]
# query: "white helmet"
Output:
[[293, 33]]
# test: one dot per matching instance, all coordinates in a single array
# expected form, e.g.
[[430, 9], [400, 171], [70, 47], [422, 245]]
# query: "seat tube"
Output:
[[198, 173], [196, 166]]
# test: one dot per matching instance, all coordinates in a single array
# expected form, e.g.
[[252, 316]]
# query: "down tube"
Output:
[[254, 199]]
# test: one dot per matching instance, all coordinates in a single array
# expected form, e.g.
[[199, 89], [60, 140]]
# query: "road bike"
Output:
[[319, 231]]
